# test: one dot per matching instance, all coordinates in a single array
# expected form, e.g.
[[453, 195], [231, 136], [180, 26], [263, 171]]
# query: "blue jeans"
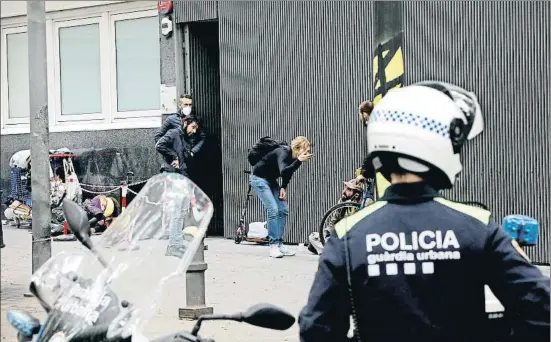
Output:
[[176, 215], [277, 210]]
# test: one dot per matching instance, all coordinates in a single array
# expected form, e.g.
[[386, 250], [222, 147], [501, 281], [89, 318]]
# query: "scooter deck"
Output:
[[257, 240]]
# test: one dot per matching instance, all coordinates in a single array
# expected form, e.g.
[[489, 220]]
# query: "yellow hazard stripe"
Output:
[[480, 214], [393, 68], [346, 224], [381, 184]]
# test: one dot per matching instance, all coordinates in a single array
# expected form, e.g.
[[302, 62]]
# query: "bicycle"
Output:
[[340, 209], [344, 209]]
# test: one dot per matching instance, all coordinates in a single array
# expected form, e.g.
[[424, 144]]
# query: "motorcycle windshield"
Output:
[[152, 241]]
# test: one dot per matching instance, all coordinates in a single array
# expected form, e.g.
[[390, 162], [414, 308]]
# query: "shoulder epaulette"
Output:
[[480, 214], [346, 224]]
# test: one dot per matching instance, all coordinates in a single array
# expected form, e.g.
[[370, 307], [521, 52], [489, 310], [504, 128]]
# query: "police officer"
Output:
[[413, 265]]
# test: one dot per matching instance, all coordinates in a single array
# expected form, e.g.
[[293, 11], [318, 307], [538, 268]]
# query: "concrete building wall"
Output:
[[19, 8], [131, 136]]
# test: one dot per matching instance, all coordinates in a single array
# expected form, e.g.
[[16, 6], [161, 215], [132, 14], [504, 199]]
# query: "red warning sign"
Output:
[[165, 6]]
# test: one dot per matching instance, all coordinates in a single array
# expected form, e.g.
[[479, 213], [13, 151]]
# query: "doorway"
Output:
[[204, 86]]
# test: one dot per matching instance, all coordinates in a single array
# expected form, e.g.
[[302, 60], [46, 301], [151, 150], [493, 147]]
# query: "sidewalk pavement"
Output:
[[238, 276]]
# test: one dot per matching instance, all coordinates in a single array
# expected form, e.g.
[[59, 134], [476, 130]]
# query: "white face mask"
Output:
[[186, 111]]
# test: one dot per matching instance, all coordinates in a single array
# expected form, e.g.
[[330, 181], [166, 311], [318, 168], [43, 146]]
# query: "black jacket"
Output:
[[277, 163], [174, 121], [174, 145], [419, 265]]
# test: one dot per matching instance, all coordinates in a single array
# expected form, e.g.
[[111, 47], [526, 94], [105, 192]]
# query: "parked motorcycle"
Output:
[[109, 290]]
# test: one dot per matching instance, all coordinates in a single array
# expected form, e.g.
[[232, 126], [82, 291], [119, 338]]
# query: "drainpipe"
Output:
[[388, 61], [179, 51], [187, 64]]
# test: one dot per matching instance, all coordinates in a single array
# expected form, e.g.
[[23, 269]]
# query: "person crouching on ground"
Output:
[[175, 146], [352, 193], [280, 162], [103, 208]]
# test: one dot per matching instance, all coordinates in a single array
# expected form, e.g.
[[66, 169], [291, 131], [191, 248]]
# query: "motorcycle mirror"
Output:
[[262, 315], [268, 316], [77, 220]]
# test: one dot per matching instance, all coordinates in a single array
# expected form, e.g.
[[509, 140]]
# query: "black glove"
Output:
[[188, 154], [368, 171]]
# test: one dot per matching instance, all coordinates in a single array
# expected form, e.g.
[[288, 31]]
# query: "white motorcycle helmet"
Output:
[[421, 129]]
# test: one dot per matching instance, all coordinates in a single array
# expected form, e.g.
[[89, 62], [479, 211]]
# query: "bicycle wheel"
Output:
[[349, 208]]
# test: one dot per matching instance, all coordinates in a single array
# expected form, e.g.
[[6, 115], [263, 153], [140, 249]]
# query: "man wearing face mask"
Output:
[[175, 146], [185, 109]]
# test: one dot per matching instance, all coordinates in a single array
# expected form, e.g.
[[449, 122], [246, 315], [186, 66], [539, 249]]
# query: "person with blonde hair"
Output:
[[103, 208], [274, 160]]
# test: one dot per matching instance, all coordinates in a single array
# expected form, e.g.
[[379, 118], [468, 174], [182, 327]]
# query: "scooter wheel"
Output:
[[238, 239]]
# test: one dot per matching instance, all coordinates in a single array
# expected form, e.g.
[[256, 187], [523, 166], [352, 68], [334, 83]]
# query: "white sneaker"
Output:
[[275, 252], [285, 251]]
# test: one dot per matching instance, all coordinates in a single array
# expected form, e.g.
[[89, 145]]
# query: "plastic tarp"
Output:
[[102, 170], [100, 166]]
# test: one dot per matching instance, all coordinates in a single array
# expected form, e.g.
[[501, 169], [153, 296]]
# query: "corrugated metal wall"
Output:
[[290, 68], [287, 69], [205, 87], [499, 50], [189, 11]]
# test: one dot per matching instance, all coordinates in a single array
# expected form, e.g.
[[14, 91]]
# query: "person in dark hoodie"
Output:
[[280, 162], [185, 109], [176, 146]]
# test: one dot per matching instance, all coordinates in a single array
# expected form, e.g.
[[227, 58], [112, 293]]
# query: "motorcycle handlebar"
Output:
[[92, 334], [99, 334], [182, 336]]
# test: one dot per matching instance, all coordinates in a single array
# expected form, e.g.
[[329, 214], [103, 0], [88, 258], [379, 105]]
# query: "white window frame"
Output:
[[109, 118], [6, 120], [103, 35], [115, 114]]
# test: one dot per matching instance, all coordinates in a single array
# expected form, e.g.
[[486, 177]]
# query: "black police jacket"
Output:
[[419, 265], [174, 145]]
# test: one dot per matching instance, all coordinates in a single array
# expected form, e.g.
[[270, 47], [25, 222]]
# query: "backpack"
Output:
[[262, 147]]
